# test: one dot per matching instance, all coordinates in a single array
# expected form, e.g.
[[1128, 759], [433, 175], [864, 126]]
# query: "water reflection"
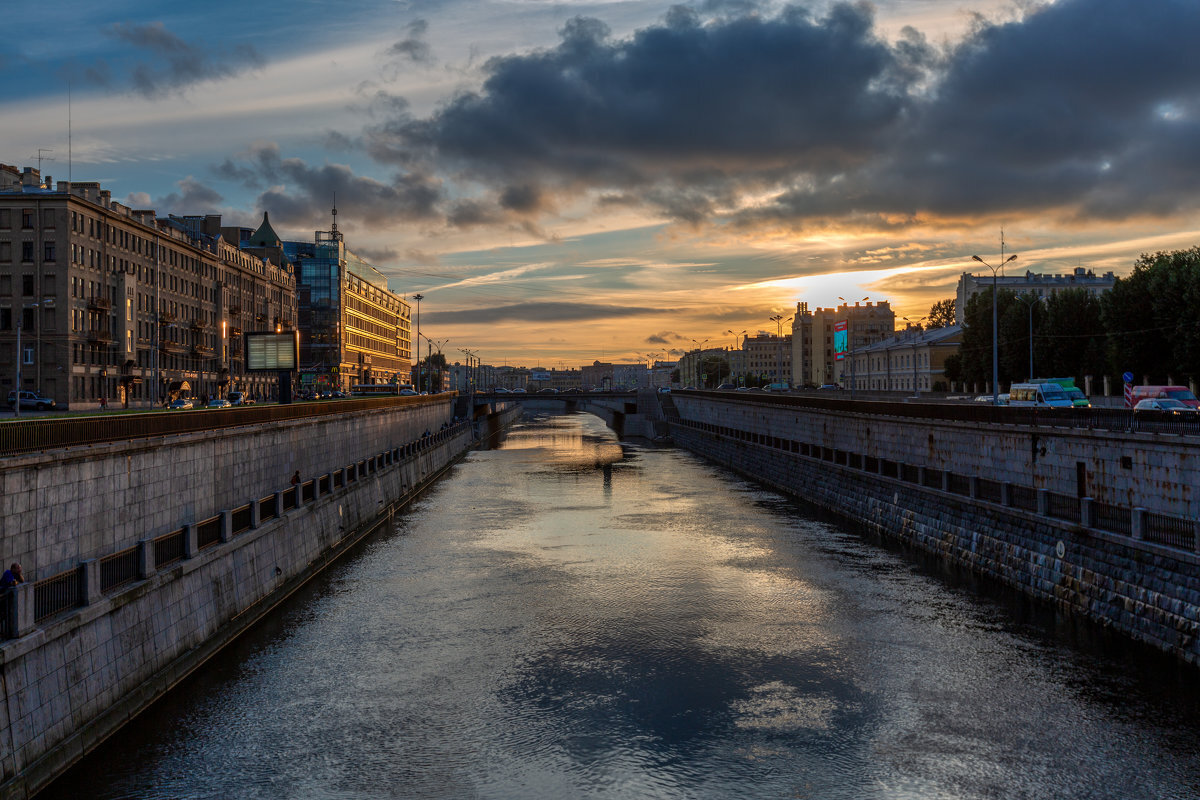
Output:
[[571, 616]]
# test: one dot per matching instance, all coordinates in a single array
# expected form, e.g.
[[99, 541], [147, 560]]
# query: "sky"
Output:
[[566, 182]]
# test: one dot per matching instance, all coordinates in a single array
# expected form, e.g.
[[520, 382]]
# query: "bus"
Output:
[[382, 390]]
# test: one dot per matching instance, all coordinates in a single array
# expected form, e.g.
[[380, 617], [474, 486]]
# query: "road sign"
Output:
[[1127, 377]]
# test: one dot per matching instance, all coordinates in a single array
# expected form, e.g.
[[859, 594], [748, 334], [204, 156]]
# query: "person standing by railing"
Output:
[[8, 601]]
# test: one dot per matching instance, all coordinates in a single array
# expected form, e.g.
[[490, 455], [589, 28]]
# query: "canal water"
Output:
[[569, 616]]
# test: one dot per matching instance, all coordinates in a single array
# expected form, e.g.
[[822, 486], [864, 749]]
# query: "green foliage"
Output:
[[713, 369], [1151, 318], [941, 314]]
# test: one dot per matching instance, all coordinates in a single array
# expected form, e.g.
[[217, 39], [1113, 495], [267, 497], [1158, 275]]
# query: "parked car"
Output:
[[239, 399], [219, 402], [181, 404], [34, 400], [547, 391], [1164, 404], [829, 386], [726, 387], [664, 390], [778, 387]]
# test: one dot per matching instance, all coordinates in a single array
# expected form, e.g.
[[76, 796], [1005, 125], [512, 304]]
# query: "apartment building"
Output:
[[113, 305], [813, 333]]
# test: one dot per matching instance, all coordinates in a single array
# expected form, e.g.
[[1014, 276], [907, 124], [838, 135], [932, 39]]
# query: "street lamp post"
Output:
[[699, 356], [735, 347], [995, 325], [1030, 301], [779, 319], [417, 350]]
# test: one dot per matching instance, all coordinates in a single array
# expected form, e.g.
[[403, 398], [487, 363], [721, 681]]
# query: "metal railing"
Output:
[[1170, 531], [118, 569], [208, 532], [1181, 533], [65, 590], [168, 548], [57, 594]]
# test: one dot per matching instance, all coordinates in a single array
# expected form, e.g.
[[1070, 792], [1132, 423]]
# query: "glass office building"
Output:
[[353, 329]]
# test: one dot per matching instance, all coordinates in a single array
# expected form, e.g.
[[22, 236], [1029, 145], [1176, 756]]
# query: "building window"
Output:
[[27, 285], [27, 252], [26, 218], [48, 251]]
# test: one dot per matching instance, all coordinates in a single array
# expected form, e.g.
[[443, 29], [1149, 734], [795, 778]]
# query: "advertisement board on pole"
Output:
[[839, 340]]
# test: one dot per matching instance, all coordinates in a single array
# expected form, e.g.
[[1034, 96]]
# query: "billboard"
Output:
[[839, 340], [272, 352]]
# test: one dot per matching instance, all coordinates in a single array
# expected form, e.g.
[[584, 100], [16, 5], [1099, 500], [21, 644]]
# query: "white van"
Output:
[[1041, 395]]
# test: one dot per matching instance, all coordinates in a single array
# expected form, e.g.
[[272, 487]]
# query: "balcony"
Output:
[[199, 325], [203, 351], [100, 304], [166, 318], [172, 346], [100, 336]]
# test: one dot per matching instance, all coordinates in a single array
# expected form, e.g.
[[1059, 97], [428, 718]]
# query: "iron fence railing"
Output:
[[1023, 497], [65, 591], [118, 569], [57, 594], [168, 548], [1167, 530], [1113, 518], [241, 519], [208, 532], [1061, 506]]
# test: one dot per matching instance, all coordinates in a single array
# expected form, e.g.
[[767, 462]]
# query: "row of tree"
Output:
[[1146, 324]]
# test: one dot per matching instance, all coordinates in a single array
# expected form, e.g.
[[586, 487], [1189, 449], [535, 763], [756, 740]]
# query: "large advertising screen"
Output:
[[272, 352], [839, 340]]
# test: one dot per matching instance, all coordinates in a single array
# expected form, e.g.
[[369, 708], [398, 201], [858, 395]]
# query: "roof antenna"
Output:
[[334, 231]]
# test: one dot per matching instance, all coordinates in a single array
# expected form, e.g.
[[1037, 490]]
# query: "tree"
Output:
[[1071, 340], [1151, 320], [941, 314], [713, 369]]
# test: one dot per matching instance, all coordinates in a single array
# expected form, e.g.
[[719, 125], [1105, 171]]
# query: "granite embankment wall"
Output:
[[72, 679], [1099, 524]]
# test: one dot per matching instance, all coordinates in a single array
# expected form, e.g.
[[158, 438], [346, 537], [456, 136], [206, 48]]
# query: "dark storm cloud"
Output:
[[665, 338], [1079, 108], [193, 197], [542, 312], [178, 64], [300, 193], [1086, 107], [747, 93]]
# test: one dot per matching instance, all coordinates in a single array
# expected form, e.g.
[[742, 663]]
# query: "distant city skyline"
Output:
[[573, 182]]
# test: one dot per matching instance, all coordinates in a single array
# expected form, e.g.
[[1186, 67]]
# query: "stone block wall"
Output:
[[65, 506], [1157, 471], [1143, 590], [78, 677]]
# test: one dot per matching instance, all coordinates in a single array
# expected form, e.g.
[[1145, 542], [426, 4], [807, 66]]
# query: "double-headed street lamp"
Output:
[[699, 353], [1030, 300], [417, 350], [735, 335], [779, 319], [995, 325]]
